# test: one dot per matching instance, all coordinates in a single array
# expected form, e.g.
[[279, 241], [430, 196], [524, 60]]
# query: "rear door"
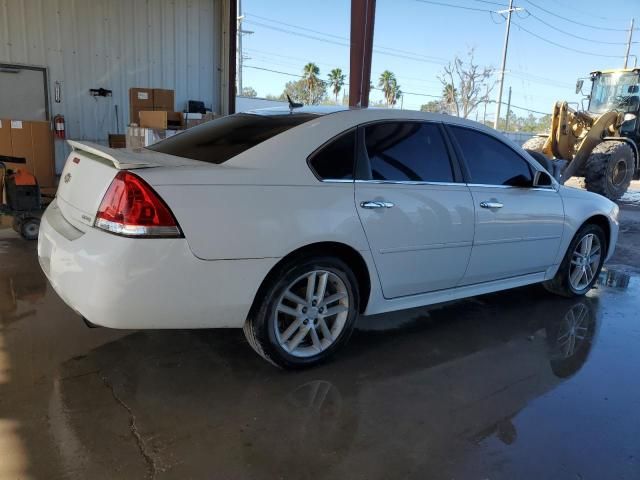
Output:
[[416, 213], [518, 228]]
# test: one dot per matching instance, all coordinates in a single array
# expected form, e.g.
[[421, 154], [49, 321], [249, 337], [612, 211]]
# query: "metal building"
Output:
[[112, 44]]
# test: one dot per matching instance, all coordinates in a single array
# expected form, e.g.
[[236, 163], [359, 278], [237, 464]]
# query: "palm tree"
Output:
[[336, 80], [310, 74], [450, 97], [387, 81], [395, 93]]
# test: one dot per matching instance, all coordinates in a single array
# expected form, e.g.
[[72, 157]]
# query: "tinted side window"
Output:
[[407, 151], [490, 161], [335, 160]]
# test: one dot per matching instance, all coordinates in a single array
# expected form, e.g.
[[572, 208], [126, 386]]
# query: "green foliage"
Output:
[[309, 90], [390, 88], [249, 92], [529, 123], [336, 81], [434, 106]]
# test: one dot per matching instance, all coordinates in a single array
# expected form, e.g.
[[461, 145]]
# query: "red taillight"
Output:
[[132, 208]]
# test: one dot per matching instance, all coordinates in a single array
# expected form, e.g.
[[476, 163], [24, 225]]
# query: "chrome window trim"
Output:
[[393, 182], [447, 184], [489, 185]]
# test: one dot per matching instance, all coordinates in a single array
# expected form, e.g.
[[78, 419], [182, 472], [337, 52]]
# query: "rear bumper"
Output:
[[121, 282]]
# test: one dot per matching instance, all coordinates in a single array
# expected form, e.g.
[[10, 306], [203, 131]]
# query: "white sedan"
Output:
[[291, 223]]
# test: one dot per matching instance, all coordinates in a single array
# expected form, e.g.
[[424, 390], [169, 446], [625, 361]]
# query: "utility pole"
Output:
[[626, 56], [241, 56], [509, 11], [506, 125]]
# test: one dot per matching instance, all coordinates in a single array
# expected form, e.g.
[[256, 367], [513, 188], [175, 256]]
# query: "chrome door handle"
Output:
[[491, 205], [376, 204]]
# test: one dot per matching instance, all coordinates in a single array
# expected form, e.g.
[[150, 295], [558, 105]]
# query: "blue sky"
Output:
[[414, 38]]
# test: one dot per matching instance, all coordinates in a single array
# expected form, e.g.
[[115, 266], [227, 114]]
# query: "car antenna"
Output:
[[293, 104]]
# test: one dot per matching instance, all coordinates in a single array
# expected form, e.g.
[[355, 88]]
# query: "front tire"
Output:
[[609, 169], [307, 312], [29, 228], [582, 263]]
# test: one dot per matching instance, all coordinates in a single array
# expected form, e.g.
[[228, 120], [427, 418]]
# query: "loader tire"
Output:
[[535, 144], [609, 169]]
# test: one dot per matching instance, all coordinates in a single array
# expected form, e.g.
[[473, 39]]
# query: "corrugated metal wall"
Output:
[[115, 44]]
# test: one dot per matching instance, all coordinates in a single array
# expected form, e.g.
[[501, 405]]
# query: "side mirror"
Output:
[[579, 84], [542, 179]]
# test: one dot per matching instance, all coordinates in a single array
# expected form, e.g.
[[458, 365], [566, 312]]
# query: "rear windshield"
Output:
[[219, 140]]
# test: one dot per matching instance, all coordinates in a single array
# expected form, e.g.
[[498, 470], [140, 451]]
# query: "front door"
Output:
[[417, 218], [518, 228]]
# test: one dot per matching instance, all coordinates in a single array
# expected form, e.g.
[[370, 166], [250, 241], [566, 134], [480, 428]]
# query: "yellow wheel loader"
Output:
[[599, 143]]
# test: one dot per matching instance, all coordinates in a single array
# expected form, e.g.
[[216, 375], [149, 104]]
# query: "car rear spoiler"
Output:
[[128, 160]]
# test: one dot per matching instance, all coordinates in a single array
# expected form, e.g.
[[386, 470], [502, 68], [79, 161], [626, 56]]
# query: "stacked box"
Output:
[[33, 141]]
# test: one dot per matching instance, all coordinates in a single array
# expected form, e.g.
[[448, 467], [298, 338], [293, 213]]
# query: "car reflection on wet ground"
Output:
[[517, 384]]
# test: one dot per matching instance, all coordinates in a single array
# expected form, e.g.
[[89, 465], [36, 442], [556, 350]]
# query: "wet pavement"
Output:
[[514, 385]]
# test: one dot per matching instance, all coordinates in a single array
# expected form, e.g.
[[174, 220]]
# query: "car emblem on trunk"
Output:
[[67, 178]]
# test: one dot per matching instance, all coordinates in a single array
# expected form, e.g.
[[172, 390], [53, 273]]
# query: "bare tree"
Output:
[[466, 84]]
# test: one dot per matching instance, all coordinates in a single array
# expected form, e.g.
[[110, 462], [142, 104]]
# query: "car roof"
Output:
[[365, 114], [307, 109]]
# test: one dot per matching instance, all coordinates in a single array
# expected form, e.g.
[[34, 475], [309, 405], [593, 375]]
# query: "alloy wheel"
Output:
[[573, 330], [585, 261], [311, 313]]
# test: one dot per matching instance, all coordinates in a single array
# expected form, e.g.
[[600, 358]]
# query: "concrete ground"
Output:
[[518, 384]]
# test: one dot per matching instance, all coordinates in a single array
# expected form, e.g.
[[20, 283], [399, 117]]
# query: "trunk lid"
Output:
[[89, 170]]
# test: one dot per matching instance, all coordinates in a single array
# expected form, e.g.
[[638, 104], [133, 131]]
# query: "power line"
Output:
[[297, 26], [442, 4], [301, 59], [273, 71], [573, 35], [409, 56], [345, 41], [494, 3], [589, 14], [596, 27], [583, 52], [300, 34], [538, 79]]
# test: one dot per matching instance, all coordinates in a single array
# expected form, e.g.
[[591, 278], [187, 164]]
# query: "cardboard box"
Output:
[[138, 137], [117, 140], [139, 99], [32, 141], [43, 159], [194, 121], [156, 120], [21, 144], [5, 137], [163, 99], [175, 120]]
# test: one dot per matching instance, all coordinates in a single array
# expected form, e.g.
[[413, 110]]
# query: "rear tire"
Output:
[[609, 169], [569, 281], [292, 325]]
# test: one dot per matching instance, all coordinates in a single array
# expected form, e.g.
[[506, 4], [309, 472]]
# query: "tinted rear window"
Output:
[[219, 140]]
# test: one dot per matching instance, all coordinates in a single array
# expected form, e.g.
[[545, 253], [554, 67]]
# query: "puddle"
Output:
[[631, 197], [613, 278]]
